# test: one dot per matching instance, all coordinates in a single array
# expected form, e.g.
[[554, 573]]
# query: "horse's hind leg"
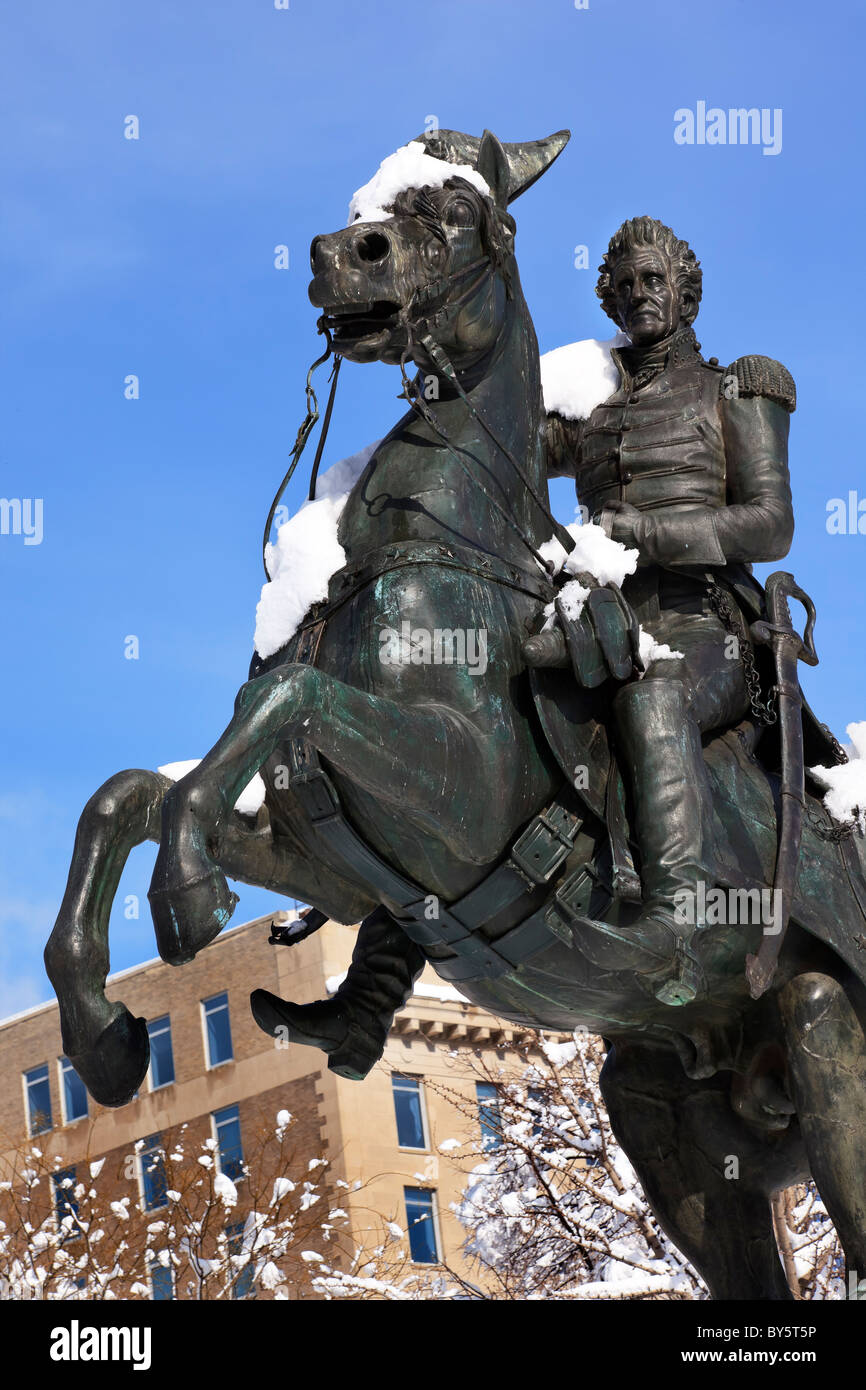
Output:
[[107, 1046], [681, 1135], [826, 1039]]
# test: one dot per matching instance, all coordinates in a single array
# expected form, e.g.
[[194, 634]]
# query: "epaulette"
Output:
[[759, 376]]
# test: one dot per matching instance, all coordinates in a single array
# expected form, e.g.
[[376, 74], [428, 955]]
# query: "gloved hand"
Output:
[[624, 523], [603, 643]]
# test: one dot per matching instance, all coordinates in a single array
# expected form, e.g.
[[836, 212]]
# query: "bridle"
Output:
[[423, 313]]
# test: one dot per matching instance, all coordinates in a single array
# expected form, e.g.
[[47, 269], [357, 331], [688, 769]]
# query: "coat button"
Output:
[[633, 399], [627, 475]]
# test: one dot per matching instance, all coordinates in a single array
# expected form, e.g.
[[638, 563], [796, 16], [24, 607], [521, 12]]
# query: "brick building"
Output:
[[213, 1071]]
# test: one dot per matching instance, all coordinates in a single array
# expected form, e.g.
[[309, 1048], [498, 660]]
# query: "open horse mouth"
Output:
[[350, 323]]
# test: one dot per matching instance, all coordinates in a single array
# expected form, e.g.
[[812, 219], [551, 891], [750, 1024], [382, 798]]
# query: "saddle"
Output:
[[743, 764]]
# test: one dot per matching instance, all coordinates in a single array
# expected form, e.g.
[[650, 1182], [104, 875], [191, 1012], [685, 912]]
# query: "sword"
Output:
[[788, 648]]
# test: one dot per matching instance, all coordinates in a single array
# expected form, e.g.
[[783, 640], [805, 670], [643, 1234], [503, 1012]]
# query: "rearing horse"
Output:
[[417, 783]]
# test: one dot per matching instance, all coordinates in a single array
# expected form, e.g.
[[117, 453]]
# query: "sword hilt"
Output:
[[780, 587]]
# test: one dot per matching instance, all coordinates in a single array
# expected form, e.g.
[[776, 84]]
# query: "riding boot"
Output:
[[353, 1026], [662, 763]]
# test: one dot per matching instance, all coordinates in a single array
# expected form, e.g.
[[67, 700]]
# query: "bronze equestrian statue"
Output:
[[534, 832]]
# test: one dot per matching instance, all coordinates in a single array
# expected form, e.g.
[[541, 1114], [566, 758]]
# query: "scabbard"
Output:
[[761, 967]]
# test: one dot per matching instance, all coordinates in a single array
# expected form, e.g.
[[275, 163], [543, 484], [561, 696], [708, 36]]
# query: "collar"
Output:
[[677, 350]]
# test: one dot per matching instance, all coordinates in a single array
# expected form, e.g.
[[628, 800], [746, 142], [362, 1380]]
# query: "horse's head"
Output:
[[429, 246]]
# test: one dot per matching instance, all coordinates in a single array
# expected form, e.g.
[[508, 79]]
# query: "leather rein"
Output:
[[417, 313]]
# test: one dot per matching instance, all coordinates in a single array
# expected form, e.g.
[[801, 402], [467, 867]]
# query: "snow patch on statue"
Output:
[[579, 376], [845, 797], [409, 167], [606, 560], [250, 799], [306, 554]]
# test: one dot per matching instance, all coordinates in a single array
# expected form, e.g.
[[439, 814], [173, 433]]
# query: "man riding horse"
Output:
[[687, 462]]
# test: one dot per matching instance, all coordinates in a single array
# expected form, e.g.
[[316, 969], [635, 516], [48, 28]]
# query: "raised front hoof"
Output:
[[189, 916], [114, 1068]]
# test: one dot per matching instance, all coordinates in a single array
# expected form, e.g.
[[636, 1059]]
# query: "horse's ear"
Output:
[[492, 165]]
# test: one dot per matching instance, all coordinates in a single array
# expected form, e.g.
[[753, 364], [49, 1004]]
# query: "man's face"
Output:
[[647, 300]]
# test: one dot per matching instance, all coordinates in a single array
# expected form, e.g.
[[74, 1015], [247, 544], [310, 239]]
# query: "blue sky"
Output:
[[155, 257]]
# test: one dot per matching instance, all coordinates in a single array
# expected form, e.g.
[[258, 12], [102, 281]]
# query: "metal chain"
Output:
[[827, 831], [838, 751], [765, 713], [732, 622]]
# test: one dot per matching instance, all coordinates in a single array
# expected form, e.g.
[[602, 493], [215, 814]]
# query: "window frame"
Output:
[[25, 1081], [422, 1097], [212, 1066], [63, 1197], [152, 1023], [64, 1065], [490, 1140], [215, 1128], [155, 1142], [433, 1194], [166, 1269], [235, 1237]]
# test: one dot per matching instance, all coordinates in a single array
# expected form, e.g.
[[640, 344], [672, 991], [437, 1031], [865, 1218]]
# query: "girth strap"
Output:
[[535, 859]]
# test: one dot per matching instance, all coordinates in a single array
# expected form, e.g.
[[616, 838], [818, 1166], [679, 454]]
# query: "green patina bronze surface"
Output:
[[550, 822]]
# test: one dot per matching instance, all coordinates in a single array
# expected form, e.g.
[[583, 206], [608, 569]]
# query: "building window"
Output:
[[38, 1090], [153, 1181], [161, 1054], [243, 1285], [65, 1203], [536, 1107], [409, 1111], [161, 1278], [489, 1119], [218, 1029], [74, 1092], [421, 1221], [227, 1132]]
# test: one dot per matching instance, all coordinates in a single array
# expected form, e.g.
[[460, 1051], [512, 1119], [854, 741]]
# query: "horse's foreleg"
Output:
[[826, 1041], [107, 1046], [704, 1175], [373, 740]]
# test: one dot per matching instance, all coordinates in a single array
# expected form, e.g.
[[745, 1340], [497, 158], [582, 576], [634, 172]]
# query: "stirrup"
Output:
[[683, 979]]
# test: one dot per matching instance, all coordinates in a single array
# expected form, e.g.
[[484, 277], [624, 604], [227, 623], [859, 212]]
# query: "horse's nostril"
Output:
[[373, 246], [313, 248]]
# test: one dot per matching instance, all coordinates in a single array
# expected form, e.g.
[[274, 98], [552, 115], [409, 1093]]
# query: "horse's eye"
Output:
[[460, 213]]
